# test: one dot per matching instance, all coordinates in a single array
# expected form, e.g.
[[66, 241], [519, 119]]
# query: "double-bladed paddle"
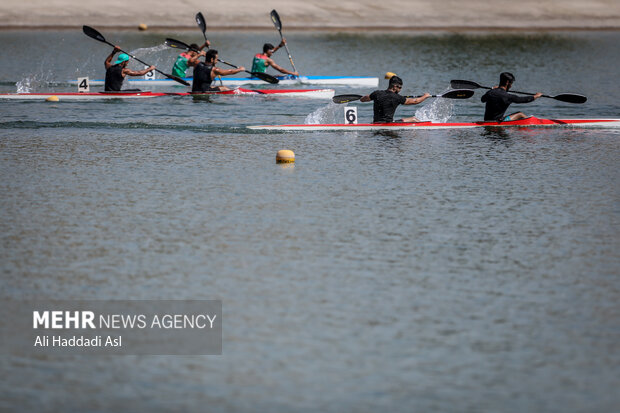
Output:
[[563, 97], [452, 94], [90, 32], [202, 24], [275, 18]]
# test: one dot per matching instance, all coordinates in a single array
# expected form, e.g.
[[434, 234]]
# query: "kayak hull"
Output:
[[80, 96], [529, 122], [306, 93], [241, 81], [303, 93]]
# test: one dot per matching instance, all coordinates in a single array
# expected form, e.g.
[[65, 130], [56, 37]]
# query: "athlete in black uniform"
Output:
[[204, 73], [386, 102], [498, 99], [115, 72]]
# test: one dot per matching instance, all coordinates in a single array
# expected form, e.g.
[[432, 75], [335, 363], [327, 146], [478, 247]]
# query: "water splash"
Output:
[[323, 115], [440, 110], [34, 82], [24, 86], [151, 55]]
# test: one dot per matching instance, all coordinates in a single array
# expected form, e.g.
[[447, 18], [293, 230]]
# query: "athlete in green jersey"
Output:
[[263, 60], [181, 65]]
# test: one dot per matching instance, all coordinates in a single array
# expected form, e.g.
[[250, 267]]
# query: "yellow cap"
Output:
[[389, 75], [142, 27], [285, 156], [52, 99]]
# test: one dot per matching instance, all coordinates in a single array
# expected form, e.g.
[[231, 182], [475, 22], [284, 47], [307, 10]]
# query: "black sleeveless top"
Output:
[[385, 104], [202, 78], [497, 101], [114, 78]]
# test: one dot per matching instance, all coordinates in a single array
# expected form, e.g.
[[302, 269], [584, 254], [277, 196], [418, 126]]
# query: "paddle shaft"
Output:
[[453, 94], [94, 34], [564, 97], [351, 98], [290, 58], [202, 24], [278, 23], [178, 79], [180, 44], [516, 91]]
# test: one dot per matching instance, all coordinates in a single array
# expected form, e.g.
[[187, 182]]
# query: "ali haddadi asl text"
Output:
[[78, 341]]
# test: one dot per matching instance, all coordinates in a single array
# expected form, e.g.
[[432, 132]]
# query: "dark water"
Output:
[[445, 271]]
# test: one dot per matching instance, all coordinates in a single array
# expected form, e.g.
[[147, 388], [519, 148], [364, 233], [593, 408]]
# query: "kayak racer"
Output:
[[115, 72], [385, 102], [498, 99], [181, 65], [263, 60], [205, 72]]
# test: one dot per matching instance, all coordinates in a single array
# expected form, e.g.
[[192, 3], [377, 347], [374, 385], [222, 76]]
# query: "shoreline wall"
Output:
[[357, 15]]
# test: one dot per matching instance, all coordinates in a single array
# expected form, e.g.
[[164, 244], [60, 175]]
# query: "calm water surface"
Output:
[[444, 271]]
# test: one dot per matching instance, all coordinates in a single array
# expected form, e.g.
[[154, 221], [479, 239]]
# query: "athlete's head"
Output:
[[267, 47], [122, 60], [396, 83], [193, 49], [211, 56], [506, 79]]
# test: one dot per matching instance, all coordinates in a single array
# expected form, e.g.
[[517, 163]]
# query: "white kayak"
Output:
[[529, 122], [363, 81]]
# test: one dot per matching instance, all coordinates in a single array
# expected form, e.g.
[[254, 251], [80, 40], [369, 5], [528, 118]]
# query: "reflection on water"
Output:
[[387, 134], [493, 132]]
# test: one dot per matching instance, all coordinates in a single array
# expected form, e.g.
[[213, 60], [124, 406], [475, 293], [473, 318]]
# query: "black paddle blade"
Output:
[[202, 23], [90, 32], [276, 20], [458, 94], [267, 78], [464, 84], [177, 44], [570, 98], [345, 98]]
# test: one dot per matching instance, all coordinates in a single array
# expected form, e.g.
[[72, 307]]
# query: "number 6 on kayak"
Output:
[[350, 115]]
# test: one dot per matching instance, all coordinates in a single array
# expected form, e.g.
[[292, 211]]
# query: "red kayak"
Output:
[[308, 93], [529, 122]]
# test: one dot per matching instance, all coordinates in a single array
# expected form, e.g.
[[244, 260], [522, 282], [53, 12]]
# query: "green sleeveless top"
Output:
[[180, 66], [258, 64]]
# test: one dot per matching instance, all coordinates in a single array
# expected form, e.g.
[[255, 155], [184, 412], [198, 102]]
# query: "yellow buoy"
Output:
[[52, 99], [389, 75], [285, 156], [142, 27]]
